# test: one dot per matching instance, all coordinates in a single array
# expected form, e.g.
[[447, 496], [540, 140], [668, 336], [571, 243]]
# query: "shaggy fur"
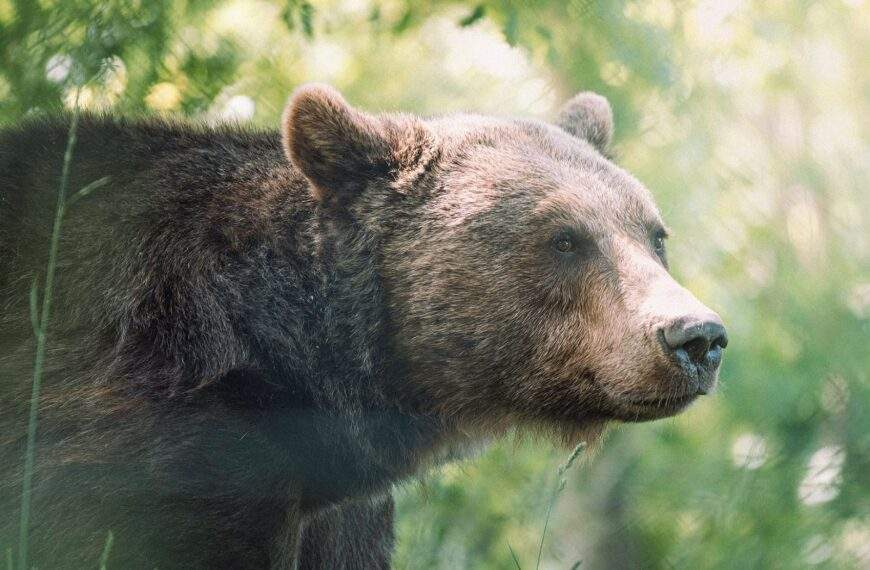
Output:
[[256, 334]]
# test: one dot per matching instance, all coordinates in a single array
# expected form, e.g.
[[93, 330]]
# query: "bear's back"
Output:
[[164, 244], [146, 163]]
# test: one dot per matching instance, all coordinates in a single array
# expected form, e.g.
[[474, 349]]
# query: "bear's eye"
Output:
[[659, 244], [563, 242]]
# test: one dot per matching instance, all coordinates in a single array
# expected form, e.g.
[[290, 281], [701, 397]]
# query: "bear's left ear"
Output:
[[588, 116], [341, 150]]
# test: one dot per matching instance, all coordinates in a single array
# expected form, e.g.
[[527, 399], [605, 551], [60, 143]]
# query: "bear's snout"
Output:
[[695, 343]]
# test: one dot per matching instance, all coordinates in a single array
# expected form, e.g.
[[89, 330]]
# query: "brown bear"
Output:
[[257, 333]]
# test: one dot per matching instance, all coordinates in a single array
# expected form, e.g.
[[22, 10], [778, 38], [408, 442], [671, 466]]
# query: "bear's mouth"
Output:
[[665, 402], [643, 409], [646, 405]]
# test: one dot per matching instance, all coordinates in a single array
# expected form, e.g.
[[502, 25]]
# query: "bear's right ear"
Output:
[[588, 116], [338, 148]]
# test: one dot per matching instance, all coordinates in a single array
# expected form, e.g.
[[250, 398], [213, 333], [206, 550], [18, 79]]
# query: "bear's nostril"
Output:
[[697, 349], [720, 341], [699, 338]]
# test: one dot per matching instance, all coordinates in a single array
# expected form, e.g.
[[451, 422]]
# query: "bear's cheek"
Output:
[[595, 353]]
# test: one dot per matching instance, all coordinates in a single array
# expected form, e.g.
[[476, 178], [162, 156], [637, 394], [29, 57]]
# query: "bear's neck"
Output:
[[322, 343]]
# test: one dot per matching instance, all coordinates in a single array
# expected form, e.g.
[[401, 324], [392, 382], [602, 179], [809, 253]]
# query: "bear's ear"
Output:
[[340, 149], [588, 116]]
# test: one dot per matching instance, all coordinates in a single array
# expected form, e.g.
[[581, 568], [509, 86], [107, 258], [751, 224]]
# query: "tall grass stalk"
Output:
[[514, 557], [39, 320], [107, 548], [560, 486]]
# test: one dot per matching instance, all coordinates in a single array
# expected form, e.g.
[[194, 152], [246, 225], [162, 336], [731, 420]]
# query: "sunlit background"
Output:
[[747, 119]]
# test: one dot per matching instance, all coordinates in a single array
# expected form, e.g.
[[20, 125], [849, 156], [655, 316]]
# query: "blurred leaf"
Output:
[[301, 10], [511, 27], [476, 15], [306, 16], [405, 21]]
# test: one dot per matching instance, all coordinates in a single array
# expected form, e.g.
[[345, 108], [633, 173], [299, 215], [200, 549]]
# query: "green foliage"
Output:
[[301, 12], [748, 121]]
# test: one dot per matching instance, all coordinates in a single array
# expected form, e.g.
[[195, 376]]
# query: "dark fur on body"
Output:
[[216, 350], [256, 334]]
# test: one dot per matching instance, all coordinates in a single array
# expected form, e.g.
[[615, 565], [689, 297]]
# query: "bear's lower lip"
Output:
[[647, 409], [665, 403]]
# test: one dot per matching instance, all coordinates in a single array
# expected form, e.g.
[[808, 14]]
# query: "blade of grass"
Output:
[[34, 309], [9, 558], [87, 190], [40, 332], [104, 558], [544, 533], [514, 556], [560, 486]]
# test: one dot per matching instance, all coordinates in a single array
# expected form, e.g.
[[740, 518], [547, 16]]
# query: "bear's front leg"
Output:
[[355, 535]]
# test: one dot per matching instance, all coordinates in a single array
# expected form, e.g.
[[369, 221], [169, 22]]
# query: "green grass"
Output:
[[39, 320], [107, 549], [561, 481]]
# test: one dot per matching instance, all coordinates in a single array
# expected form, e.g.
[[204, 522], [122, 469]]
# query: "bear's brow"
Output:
[[638, 211], [559, 214], [642, 224], [659, 228]]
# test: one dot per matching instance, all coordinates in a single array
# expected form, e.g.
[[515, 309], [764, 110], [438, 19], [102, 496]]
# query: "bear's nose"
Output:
[[701, 338]]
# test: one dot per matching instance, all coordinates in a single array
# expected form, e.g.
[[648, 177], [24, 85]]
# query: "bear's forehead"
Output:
[[528, 170]]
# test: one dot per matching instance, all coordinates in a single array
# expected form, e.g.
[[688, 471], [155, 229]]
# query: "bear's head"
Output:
[[524, 273]]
